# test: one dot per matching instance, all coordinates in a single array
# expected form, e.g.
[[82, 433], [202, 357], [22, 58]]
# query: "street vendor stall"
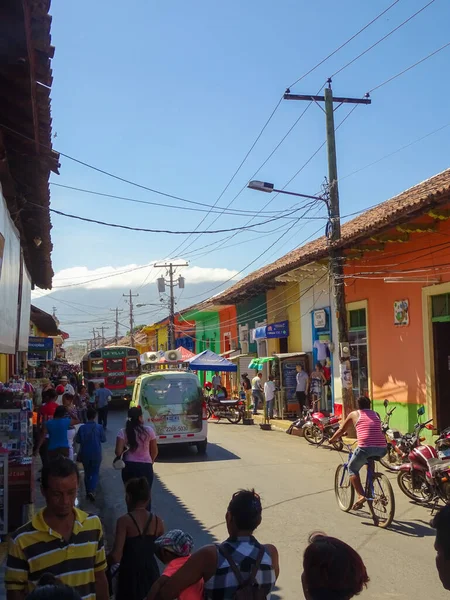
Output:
[[286, 373], [16, 437], [210, 361]]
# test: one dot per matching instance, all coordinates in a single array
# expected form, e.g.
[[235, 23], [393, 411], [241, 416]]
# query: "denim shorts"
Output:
[[361, 457]]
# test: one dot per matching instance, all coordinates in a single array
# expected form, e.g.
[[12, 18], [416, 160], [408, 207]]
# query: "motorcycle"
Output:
[[426, 477], [318, 428], [443, 444], [394, 457], [233, 410]]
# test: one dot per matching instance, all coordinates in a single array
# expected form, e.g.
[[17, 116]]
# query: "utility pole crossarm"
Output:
[[322, 99], [171, 270]]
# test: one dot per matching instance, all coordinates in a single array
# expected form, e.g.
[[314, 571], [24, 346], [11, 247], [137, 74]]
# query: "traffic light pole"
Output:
[[336, 253]]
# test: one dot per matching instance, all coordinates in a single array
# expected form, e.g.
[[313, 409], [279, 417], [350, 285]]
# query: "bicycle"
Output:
[[377, 490]]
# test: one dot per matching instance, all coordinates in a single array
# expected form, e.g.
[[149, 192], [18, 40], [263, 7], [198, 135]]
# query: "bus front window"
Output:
[[114, 364], [132, 365]]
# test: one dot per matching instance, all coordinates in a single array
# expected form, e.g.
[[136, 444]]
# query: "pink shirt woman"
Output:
[[137, 444]]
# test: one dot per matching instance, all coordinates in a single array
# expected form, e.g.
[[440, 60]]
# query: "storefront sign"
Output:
[[260, 333], [401, 312], [37, 356], [278, 330], [320, 319], [40, 343]]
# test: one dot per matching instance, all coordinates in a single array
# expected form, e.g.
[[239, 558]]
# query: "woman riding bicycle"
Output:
[[371, 443]]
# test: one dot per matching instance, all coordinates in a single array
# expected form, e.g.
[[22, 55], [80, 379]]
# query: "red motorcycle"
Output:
[[319, 428], [426, 477]]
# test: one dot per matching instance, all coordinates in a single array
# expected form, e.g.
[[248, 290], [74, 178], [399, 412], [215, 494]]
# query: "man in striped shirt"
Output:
[[60, 539]]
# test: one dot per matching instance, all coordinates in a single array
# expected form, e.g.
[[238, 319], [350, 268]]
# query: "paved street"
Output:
[[295, 481]]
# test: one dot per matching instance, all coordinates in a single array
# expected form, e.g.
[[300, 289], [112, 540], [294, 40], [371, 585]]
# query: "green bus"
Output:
[[115, 366]]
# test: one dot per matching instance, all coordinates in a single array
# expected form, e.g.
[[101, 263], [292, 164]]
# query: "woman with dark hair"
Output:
[[134, 544], [332, 570], [239, 561], [51, 588], [137, 444]]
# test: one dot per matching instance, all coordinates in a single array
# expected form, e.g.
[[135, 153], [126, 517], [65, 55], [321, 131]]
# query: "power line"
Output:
[[145, 230], [137, 201], [410, 67], [382, 39], [344, 44]]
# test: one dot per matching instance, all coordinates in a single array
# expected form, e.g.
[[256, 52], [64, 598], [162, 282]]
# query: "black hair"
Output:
[[138, 490], [134, 428], [102, 384], [49, 395], [364, 402], [441, 523], [61, 467], [51, 588], [68, 396], [60, 412], [90, 413], [245, 508]]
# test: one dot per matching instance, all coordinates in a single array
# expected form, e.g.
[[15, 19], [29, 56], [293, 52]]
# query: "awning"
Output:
[[260, 362], [289, 355], [210, 361]]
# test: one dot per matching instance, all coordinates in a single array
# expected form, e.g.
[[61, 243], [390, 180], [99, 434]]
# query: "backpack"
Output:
[[248, 589]]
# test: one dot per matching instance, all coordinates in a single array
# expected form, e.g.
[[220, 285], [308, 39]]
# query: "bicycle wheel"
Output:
[[382, 502], [343, 489]]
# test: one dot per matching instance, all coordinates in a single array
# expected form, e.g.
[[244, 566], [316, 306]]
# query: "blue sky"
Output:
[[172, 95]]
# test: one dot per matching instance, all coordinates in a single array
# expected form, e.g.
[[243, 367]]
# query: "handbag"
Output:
[[118, 462]]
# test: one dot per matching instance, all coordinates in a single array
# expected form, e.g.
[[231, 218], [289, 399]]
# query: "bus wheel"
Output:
[[201, 447]]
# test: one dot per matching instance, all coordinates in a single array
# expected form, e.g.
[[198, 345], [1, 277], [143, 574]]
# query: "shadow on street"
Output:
[[181, 453]]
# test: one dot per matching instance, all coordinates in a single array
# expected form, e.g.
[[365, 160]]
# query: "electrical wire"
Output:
[[320, 63], [383, 38], [377, 87], [146, 230], [235, 212]]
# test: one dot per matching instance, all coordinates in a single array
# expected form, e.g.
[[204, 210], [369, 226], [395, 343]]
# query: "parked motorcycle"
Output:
[[233, 410], [443, 444], [394, 457], [319, 428], [425, 477]]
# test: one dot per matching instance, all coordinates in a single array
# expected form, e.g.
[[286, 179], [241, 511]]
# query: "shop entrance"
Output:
[[441, 340]]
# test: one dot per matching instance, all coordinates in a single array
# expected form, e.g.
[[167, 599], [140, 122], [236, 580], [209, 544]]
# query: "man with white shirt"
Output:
[[217, 382], [257, 392], [269, 392], [68, 388]]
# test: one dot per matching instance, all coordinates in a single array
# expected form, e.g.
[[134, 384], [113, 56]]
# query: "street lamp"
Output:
[[264, 186]]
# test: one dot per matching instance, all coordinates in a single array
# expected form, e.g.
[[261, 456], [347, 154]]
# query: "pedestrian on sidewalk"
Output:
[[137, 444], [134, 544], [302, 387], [332, 569], [174, 549], [46, 413], [216, 382], [441, 523], [90, 438], [57, 431], [102, 399], [317, 381], [225, 568], [82, 402], [60, 539], [68, 387], [269, 393], [257, 392]]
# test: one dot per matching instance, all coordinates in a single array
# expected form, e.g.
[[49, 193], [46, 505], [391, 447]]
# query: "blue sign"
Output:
[[40, 343], [260, 333], [278, 330]]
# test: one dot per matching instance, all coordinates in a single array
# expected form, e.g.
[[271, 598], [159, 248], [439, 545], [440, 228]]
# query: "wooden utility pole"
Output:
[[130, 297], [336, 253], [171, 270], [94, 343], [116, 334]]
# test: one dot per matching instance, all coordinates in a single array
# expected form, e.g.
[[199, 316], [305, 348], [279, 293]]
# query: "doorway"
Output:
[[441, 343]]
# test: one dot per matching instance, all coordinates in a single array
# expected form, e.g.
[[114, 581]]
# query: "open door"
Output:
[[441, 341]]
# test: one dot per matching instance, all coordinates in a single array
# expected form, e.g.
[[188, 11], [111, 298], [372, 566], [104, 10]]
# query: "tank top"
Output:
[[244, 551], [138, 568], [368, 430]]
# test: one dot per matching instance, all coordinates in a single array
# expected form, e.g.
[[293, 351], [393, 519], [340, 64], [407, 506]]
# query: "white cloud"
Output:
[[128, 276]]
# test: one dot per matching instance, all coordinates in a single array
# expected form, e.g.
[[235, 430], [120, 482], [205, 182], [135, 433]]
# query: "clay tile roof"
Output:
[[410, 203]]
